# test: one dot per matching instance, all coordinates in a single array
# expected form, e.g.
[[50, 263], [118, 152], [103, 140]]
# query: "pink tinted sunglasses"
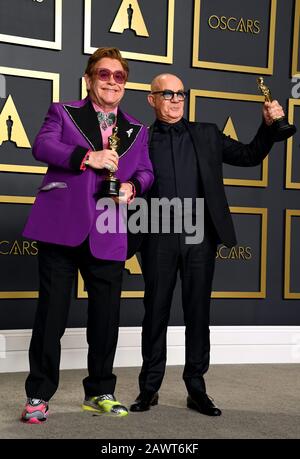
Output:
[[105, 74]]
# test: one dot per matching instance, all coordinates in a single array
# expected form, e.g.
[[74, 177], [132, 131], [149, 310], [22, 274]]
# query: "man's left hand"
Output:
[[272, 111]]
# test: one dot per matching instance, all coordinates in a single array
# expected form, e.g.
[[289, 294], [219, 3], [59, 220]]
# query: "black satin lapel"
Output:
[[86, 121], [127, 133], [201, 148], [150, 133]]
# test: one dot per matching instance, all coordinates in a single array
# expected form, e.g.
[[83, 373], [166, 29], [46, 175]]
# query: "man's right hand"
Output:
[[104, 159]]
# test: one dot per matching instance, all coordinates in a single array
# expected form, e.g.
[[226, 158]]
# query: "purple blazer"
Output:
[[65, 211]]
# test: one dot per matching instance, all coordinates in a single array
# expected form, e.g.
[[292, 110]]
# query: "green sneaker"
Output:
[[104, 404]]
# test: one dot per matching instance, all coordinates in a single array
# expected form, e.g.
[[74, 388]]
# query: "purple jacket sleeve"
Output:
[[48, 146]]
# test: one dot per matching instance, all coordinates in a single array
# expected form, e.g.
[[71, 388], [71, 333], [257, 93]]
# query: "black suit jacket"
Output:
[[213, 148]]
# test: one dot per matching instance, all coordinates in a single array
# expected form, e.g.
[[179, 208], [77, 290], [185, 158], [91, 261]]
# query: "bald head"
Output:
[[169, 111], [161, 82]]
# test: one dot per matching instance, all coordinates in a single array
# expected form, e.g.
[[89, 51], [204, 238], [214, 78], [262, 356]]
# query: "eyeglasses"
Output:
[[169, 95], [105, 74]]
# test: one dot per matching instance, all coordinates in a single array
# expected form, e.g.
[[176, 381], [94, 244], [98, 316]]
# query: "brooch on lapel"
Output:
[[129, 132]]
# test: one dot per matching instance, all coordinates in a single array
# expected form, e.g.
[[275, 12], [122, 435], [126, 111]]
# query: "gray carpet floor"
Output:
[[258, 401]]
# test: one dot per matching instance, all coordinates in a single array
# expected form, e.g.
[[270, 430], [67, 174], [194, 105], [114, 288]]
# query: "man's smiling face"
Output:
[[106, 94]]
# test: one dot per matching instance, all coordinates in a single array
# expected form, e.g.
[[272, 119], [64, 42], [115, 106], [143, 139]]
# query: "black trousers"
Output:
[[58, 267], [162, 256]]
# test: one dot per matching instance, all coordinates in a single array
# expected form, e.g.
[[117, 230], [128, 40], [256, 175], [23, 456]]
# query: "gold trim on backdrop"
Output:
[[167, 59], [23, 169], [81, 293], [138, 86], [287, 257], [54, 77], [17, 294], [289, 148], [35, 42], [129, 85], [17, 199], [234, 67], [194, 93], [295, 62], [263, 212]]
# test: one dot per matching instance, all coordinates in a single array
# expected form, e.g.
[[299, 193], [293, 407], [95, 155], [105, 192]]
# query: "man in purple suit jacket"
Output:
[[74, 141]]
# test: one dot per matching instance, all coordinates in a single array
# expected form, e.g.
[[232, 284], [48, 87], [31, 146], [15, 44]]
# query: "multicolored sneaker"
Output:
[[104, 404], [36, 411]]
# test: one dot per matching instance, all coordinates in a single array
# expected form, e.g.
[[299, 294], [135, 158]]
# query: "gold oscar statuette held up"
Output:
[[111, 184], [281, 129]]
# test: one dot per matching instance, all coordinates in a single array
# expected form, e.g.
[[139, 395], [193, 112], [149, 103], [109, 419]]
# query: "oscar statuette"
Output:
[[111, 184], [281, 129]]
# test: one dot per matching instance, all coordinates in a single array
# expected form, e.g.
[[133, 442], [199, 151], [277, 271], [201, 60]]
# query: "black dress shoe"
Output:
[[202, 403], [144, 401]]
